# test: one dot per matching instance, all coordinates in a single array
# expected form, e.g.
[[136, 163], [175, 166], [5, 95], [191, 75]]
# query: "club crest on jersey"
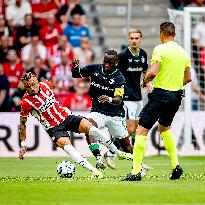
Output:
[[142, 59], [112, 81]]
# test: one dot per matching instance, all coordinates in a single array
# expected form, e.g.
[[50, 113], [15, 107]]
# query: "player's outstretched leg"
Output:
[[95, 149], [101, 137], [138, 154], [65, 144], [170, 146]]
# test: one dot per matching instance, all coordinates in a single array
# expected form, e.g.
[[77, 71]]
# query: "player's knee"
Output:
[[93, 122], [131, 130], [90, 139], [162, 129], [93, 131], [141, 131], [62, 141], [85, 126]]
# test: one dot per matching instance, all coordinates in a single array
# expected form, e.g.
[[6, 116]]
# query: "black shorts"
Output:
[[161, 106], [71, 123]]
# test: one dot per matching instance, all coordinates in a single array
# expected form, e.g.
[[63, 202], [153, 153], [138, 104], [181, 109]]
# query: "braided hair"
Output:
[[27, 76], [111, 52]]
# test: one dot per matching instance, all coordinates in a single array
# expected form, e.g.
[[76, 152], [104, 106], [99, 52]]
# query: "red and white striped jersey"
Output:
[[44, 106]]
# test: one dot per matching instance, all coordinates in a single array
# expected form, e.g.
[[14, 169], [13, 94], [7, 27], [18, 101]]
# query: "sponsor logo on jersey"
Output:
[[47, 104], [135, 69], [130, 60], [142, 59], [112, 81], [101, 86]]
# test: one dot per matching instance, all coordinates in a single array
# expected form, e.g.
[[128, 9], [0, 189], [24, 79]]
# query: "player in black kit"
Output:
[[132, 64], [107, 89]]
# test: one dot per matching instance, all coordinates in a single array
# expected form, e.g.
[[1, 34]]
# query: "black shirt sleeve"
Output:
[[122, 62], [145, 65], [77, 9], [85, 71], [120, 81]]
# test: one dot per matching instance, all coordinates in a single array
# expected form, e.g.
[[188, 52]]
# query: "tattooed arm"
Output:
[[22, 136]]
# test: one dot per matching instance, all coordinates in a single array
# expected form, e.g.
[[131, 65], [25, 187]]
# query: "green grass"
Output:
[[34, 182]]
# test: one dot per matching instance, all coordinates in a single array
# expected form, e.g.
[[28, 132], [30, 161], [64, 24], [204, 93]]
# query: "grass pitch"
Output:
[[34, 181]]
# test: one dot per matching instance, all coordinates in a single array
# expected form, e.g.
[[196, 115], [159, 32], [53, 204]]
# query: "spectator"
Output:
[[84, 53], [5, 30], [69, 9], [75, 31], [16, 97], [61, 76], [199, 52], [54, 54], [2, 7], [199, 34], [15, 13], [32, 50], [4, 48], [40, 70], [25, 33], [13, 70], [4, 91], [197, 96], [79, 100], [176, 3], [42, 10], [196, 3], [50, 32]]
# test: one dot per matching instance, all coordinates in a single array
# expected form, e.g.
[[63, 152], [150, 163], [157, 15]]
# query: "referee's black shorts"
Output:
[[161, 106]]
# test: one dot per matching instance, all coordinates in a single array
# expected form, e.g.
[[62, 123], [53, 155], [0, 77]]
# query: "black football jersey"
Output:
[[132, 67], [103, 84]]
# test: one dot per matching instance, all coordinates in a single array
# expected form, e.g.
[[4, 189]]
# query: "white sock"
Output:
[[101, 137], [76, 157], [110, 154], [99, 159]]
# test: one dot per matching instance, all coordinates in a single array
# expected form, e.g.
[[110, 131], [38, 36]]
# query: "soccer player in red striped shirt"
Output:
[[39, 100]]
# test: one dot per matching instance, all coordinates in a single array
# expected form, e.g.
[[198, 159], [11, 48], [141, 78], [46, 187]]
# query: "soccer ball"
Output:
[[66, 169]]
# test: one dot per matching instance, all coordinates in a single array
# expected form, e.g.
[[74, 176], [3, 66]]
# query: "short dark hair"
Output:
[[167, 28], [134, 30], [111, 52], [27, 76]]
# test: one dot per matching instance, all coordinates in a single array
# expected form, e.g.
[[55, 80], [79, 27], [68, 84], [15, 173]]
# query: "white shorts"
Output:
[[133, 109], [116, 125]]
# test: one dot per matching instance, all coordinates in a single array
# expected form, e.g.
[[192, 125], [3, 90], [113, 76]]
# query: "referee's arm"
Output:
[[150, 75], [187, 76]]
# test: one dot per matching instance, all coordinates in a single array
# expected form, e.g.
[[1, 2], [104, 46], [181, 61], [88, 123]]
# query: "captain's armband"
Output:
[[119, 91]]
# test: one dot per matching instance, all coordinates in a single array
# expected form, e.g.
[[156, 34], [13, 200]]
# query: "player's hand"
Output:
[[149, 87], [103, 99], [22, 153], [75, 63], [143, 84]]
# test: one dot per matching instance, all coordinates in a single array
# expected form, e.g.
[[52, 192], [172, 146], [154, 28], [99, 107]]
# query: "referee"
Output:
[[170, 70]]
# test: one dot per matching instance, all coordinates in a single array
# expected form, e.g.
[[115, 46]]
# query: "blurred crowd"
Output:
[[180, 4], [42, 36], [198, 51]]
